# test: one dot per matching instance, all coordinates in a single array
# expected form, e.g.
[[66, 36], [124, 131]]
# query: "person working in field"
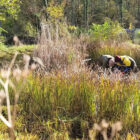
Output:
[[125, 64], [106, 61]]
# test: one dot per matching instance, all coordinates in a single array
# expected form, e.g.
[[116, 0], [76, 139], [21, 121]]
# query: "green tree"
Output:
[[11, 8]]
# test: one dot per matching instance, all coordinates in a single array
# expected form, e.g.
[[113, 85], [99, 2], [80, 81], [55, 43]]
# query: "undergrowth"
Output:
[[65, 106]]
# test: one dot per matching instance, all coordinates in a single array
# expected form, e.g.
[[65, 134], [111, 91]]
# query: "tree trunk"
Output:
[[11, 134], [121, 14], [85, 12], [72, 13]]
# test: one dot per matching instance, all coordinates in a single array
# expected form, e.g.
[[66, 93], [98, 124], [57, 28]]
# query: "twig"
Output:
[[5, 121], [5, 85]]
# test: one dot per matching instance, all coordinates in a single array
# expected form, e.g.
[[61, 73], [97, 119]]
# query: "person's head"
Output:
[[111, 62], [117, 58]]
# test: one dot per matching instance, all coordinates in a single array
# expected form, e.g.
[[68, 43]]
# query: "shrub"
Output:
[[108, 31], [2, 37]]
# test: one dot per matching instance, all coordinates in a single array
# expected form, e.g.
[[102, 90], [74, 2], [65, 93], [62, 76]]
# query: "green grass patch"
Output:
[[7, 53], [5, 50]]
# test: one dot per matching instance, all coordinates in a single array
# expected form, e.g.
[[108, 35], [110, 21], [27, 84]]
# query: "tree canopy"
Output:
[[9, 8], [25, 17]]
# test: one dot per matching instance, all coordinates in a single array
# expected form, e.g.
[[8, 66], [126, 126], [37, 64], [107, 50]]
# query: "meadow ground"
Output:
[[65, 104]]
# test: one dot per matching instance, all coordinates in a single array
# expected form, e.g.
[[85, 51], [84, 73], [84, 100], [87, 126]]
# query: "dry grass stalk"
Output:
[[105, 131], [58, 51], [6, 82]]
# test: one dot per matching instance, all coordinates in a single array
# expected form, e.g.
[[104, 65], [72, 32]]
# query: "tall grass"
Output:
[[58, 95], [58, 99], [96, 49], [58, 49]]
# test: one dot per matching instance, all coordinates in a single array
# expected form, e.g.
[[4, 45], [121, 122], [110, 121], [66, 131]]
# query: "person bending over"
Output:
[[106, 61]]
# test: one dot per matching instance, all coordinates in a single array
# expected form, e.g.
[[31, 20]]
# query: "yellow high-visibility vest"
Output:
[[125, 61]]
